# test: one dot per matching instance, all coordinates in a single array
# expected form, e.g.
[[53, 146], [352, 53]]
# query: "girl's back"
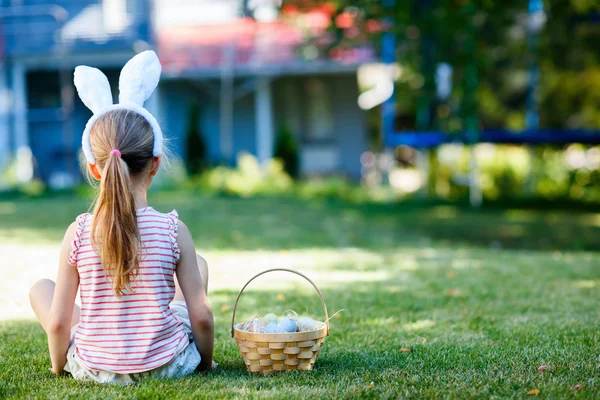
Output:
[[137, 331], [136, 319]]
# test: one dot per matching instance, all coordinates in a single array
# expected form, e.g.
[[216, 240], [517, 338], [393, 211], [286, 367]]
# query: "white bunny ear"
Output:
[[139, 78], [93, 88]]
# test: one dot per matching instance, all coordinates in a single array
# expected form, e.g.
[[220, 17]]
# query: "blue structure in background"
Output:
[[41, 42], [33, 27], [249, 83], [531, 135]]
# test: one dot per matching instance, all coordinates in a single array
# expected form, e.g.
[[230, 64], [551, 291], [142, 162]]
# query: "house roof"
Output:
[[248, 47]]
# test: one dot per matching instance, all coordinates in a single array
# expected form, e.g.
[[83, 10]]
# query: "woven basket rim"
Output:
[[281, 337]]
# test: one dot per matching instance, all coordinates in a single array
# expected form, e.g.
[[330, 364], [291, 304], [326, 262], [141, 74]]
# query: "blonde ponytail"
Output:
[[116, 236], [122, 145]]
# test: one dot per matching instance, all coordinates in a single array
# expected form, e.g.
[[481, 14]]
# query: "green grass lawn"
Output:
[[481, 298]]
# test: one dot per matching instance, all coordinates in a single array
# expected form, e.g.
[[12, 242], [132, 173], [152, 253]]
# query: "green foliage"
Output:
[[35, 187], [286, 150], [195, 146], [172, 175], [247, 178], [340, 189], [516, 172], [9, 181], [570, 65], [486, 42]]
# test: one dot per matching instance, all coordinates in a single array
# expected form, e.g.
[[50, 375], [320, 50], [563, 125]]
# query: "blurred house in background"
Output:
[[42, 118], [252, 67]]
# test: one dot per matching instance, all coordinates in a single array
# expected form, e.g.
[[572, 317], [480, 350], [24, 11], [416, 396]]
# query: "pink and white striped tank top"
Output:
[[137, 332]]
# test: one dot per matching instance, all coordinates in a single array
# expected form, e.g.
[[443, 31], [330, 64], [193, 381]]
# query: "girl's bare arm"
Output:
[[61, 311], [192, 287]]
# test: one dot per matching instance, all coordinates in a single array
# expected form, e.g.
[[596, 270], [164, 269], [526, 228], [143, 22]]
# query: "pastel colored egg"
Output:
[[286, 325], [270, 318], [271, 327], [306, 324]]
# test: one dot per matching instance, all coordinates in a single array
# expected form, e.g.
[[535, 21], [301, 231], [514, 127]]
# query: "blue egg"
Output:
[[271, 327], [286, 325]]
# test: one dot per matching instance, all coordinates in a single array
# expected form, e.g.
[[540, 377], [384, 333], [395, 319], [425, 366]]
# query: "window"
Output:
[[43, 90], [319, 117]]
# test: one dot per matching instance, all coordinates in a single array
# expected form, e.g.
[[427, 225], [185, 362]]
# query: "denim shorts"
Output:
[[183, 364]]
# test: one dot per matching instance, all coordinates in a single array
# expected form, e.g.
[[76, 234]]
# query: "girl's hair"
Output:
[[115, 234]]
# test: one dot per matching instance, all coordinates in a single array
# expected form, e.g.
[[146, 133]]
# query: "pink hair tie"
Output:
[[115, 151]]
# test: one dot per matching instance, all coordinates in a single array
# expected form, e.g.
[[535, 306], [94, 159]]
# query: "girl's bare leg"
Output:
[[203, 267], [40, 297]]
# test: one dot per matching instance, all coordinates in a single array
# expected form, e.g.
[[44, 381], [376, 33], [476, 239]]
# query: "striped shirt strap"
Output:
[[76, 244], [173, 232]]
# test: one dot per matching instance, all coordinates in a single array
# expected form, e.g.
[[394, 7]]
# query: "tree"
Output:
[[286, 149], [486, 43], [195, 149]]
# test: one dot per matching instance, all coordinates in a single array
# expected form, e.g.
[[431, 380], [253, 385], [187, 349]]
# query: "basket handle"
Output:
[[284, 270]]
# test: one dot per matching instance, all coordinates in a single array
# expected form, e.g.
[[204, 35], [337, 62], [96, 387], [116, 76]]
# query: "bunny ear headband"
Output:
[[138, 80]]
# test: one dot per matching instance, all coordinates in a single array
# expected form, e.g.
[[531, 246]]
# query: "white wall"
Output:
[[169, 13]]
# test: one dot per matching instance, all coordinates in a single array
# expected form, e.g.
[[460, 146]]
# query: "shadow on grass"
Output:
[[24, 361], [273, 223], [485, 338]]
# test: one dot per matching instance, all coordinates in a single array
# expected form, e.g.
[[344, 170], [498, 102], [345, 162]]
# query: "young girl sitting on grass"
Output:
[[144, 308]]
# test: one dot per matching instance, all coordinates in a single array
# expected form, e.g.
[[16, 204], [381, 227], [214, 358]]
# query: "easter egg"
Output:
[[254, 325], [271, 327], [257, 326], [306, 324], [270, 318], [286, 325], [291, 314]]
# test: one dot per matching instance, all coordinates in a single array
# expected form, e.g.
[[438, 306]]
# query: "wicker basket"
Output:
[[266, 353]]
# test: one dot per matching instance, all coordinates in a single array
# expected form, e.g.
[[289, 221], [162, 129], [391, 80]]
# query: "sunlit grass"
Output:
[[450, 303]]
